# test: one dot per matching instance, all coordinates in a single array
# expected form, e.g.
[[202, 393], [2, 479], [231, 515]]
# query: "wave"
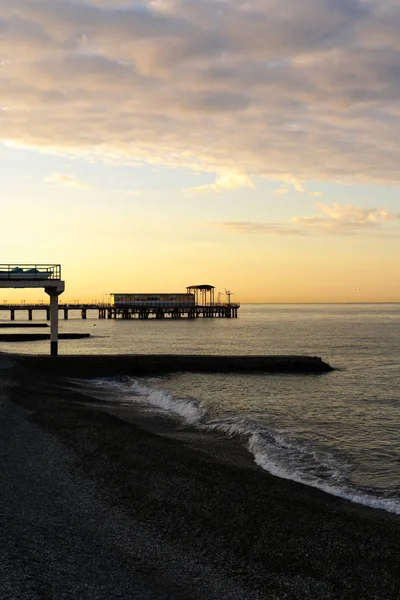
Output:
[[128, 389], [189, 409], [335, 474], [274, 452]]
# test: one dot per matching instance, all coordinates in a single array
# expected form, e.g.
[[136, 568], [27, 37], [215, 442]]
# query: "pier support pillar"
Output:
[[53, 293], [12, 314], [53, 325], [47, 314], [66, 314], [29, 314], [83, 313]]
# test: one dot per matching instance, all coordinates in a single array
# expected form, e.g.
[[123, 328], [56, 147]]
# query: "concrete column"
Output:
[[52, 312], [53, 324]]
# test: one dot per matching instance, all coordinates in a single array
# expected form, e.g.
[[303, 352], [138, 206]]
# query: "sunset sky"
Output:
[[252, 145]]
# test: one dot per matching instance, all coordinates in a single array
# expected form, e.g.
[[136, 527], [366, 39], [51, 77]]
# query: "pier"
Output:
[[106, 311], [198, 302]]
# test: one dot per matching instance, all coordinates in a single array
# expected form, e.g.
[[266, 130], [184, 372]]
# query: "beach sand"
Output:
[[104, 502]]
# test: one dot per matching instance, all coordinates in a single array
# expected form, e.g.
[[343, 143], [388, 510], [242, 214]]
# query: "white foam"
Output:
[[188, 409], [262, 459], [288, 459]]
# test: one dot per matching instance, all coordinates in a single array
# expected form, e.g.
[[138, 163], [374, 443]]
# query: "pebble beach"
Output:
[[103, 502]]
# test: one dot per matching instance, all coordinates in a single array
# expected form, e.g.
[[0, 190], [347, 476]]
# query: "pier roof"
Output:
[[203, 286]]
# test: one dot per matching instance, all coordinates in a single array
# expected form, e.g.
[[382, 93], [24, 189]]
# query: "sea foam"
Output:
[[188, 409]]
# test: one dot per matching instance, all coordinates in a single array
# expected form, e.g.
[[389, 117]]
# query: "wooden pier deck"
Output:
[[106, 311]]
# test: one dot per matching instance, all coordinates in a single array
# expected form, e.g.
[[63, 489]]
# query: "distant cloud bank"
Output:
[[335, 219], [240, 89]]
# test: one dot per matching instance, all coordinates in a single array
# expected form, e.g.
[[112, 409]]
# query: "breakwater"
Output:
[[144, 364], [34, 337], [22, 325]]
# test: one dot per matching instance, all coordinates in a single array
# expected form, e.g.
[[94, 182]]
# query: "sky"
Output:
[[252, 145]]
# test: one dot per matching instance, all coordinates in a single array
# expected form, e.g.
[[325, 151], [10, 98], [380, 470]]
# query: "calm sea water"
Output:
[[338, 431]]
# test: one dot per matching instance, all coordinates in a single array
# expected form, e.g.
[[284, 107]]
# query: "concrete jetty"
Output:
[[145, 364], [35, 337], [22, 325]]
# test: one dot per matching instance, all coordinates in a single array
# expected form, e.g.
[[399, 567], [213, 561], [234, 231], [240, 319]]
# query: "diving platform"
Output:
[[46, 276]]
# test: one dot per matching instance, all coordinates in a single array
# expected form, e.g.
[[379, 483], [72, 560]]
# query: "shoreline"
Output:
[[261, 536], [144, 411]]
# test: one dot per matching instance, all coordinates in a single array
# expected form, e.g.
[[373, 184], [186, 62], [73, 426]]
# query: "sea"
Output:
[[337, 431]]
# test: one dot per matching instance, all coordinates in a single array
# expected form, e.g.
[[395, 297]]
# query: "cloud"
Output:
[[335, 219], [264, 87], [228, 180], [289, 181], [253, 227], [296, 183], [357, 216], [68, 180]]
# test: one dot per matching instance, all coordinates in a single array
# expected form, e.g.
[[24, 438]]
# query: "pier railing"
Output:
[[30, 272], [98, 305]]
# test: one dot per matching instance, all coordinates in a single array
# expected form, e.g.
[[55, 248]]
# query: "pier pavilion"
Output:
[[47, 276], [197, 302]]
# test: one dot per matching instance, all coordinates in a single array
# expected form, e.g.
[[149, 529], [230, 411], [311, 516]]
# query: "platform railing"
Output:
[[171, 305], [30, 271]]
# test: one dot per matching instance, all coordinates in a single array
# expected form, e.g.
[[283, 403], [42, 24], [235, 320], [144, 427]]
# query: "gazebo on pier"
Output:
[[203, 294]]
